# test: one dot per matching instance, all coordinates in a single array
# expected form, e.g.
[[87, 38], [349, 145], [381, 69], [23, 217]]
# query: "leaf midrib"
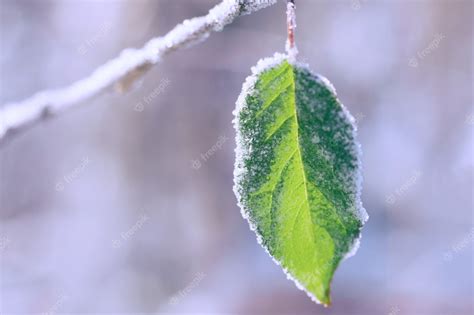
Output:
[[300, 155], [289, 67]]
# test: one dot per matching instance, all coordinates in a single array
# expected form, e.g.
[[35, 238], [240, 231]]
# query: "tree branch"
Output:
[[120, 73]]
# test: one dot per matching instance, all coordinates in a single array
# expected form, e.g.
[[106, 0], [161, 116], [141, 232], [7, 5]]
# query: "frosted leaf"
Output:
[[297, 171]]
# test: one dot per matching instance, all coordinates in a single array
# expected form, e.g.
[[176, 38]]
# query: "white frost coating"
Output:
[[248, 88], [249, 6], [124, 70], [249, 84]]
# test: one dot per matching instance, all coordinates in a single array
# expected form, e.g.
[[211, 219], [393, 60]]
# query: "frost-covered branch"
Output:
[[120, 73]]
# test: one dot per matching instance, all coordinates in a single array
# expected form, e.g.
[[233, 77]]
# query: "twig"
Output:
[[124, 70]]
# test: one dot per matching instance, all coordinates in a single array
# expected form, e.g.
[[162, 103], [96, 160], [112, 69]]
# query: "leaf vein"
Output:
[[272, 100], [278, 128], [272, 221]]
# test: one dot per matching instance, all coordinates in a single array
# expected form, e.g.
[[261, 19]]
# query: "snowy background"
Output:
[[125, 205]]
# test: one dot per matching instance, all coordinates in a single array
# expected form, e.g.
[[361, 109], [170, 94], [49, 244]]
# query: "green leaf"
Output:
[[297, 172]]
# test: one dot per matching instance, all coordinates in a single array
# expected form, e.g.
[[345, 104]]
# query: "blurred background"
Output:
[[125, 205]]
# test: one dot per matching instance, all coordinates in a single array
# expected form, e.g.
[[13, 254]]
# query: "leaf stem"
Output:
[[291, 49]]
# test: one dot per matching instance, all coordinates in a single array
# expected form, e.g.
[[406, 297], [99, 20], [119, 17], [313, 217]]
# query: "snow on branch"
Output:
[[120, 73]]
